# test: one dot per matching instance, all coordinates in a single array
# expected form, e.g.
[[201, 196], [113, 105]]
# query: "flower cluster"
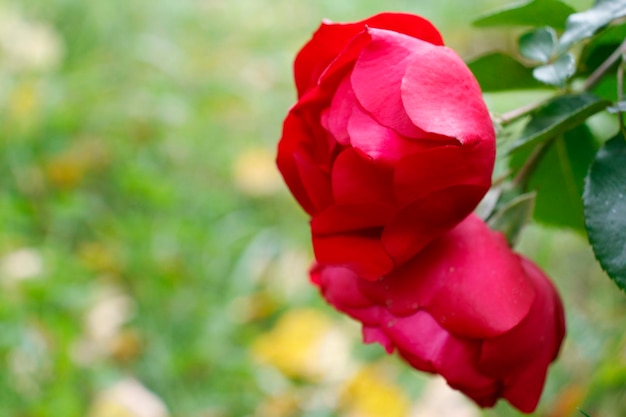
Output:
[[389, 149]]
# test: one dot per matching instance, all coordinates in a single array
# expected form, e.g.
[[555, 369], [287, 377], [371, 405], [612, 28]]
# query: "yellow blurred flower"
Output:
[[69, 167], [23, 106], [99, 257], [371, 393], [286, 404], [304, 344], [128, 398], [255, 173]]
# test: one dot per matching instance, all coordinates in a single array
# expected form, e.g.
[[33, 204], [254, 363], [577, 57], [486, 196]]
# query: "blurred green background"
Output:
[[152, 262]]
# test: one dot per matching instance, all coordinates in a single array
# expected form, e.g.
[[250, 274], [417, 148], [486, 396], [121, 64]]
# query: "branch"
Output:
[[513, 115], [597, 75]]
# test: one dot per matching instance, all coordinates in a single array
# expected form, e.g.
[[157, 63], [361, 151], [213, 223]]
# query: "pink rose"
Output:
[[466, 307], [390, 143]]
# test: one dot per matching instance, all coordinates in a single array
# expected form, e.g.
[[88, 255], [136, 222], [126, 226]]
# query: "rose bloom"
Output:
[[466, 307], [389, 144]]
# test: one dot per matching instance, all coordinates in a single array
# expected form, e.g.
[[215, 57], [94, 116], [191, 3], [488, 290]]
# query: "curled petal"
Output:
[[309, 184], [537, 340], [331, 39], [357, 179], [360, 252], [444, 98], [417, 224], [437, 168], [469, 281], [377, 141], [342, 218], [377, 84]]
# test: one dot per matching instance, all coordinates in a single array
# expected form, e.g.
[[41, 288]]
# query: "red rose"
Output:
[[390, 143], [466, 307]]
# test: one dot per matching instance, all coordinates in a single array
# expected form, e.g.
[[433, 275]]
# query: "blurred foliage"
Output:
[[150, 251]]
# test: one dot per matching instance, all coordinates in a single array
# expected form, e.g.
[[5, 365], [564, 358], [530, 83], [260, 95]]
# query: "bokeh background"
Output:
[[153, 264]]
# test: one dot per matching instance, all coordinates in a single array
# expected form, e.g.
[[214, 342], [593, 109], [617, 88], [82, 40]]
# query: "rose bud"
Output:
[[389, 144], [466, 307]]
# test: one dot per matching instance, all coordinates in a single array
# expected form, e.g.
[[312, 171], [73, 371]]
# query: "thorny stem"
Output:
[[533, 160], [518, 113], [593, 79], [530, 164], [604, 67]]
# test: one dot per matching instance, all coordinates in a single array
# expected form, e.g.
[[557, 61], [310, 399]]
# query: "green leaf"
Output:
[[538, 45], [529, 13], [500, 72], [557, 116], [557, 72], [559, 176], [585, 24], [511, 218], [605, 208], [583, 413]]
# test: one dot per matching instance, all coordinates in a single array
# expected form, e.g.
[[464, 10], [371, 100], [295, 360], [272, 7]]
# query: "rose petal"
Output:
[[315, 182], [441, 96], [521, 357], [339, 286], [294, 134], [377, 141], [470, 265], [362, 253], [341, 218], [331, 38], [451, 279], [429, 347], [427, 218], [437, 168], [373, 334], [377, 78], [357, 179], [339, 112]]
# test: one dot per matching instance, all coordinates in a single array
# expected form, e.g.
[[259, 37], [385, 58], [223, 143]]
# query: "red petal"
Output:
[[521, 357], [425, 344], [313, 59], [437, 168], [441, 96], [377, 79], [373, 334], [331, 38], [315, 182], [468, 280], [474, 285], [359, 252], [339, 112], [377, 141], [341, 218], [427, 218], [357, 179], [340, 287], [294, 135]]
